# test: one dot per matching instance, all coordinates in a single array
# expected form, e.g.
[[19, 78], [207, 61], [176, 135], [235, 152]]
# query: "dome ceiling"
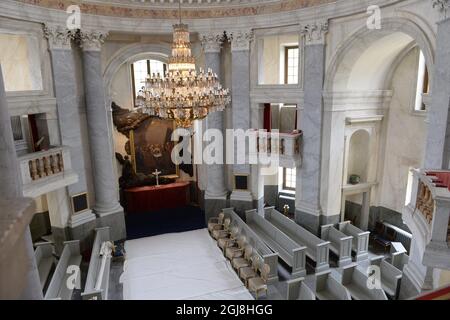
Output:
[[168, 9]]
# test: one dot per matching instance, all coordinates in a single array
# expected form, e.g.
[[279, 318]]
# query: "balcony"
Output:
[[46, 171], [427, 215], [287, 146]]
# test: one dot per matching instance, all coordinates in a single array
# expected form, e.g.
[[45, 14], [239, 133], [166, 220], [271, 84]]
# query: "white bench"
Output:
[[316, 248], [97, 281], [328, 288], [340, 244], [356, 283], [360, 239], [398, 256], [298, 290], [44, 261], [390, 276], [257, 244], [62, 284], [289, 251]]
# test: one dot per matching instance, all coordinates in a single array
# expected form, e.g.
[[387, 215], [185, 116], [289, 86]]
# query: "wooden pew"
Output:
[[390, 276], [316, 249], [328, 288], [340, 244], [269, 257], [44, 261], [360, 239], [61, 287], [289, 251], [97, 281], [298, 290], [356, 283]]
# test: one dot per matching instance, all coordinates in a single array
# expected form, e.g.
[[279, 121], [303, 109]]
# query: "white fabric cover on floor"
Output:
[[179, 266]]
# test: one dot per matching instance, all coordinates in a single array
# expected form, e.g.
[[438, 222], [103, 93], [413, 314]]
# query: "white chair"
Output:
[[258, 284], [242, 262], [246, 273], [229, 241], [216, 223], [222, 233], [237, 250]]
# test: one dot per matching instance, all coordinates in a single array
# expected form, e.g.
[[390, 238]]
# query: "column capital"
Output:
[[211, 42], [240, 40], [59, 37], [314, 32], [92, 40], [442, 6]]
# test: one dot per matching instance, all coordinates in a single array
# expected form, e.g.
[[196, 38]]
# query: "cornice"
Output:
[[155, 11], [146, 24]]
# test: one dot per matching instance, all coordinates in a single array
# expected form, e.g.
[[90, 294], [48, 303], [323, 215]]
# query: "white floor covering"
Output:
[[179, 266]]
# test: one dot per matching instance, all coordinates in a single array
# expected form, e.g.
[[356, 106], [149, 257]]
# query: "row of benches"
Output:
[[67, 275], [294, 244], [353, 282]]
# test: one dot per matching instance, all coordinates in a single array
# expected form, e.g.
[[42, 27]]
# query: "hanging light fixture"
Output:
[[182, 94]]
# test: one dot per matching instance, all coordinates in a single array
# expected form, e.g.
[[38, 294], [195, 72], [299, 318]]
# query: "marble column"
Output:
[[216, 190], [437, 151], [241, 200], [80, 225], [107, 206], [308, 210], [11, 189]]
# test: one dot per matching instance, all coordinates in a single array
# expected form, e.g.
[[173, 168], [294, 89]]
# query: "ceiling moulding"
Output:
[[150, 9]]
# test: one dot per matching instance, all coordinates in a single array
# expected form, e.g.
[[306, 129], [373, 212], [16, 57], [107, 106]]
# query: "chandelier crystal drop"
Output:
[[182, 94]]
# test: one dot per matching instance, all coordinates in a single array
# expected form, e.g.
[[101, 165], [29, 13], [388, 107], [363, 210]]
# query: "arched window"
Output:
[[423, 84], [141, 68]]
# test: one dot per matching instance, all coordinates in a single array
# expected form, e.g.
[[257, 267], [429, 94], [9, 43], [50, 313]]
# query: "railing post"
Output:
[[439, 227]]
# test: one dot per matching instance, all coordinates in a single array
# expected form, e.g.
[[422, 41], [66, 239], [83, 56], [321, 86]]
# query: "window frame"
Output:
[[133, 79], [424, 89], [285, 187], [286, 63]]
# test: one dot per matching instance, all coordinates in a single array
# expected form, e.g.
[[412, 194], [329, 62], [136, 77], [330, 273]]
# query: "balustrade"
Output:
[[47, 164], [45, 171], [427, 215], [425, 202]]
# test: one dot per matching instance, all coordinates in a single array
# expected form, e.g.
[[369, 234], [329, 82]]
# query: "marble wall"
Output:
[[21, 65], [405, 136], [272, 60]]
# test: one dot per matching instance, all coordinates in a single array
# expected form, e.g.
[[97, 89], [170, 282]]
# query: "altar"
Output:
[[153, 198]]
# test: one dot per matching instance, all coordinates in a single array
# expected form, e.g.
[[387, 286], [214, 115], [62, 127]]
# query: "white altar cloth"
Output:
[[179, 266]]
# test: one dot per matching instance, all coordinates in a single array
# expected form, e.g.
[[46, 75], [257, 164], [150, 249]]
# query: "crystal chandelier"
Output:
[[182, 94]]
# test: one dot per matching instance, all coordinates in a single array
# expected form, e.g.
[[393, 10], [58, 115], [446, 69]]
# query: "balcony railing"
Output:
[[428, 215], [285, 145], [45, 171]]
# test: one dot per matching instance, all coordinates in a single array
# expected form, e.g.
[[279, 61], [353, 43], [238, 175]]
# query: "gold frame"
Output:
[[73, 206], [234, 181], [133, 156]]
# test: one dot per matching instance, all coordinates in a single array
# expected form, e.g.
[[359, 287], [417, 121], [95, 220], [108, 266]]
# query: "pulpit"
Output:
[[153, 198]]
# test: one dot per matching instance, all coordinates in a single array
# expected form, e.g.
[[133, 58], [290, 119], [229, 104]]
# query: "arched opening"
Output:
[[378, 74]]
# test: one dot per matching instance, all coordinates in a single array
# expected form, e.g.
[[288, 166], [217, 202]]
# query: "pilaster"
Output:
[[308, 208]]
